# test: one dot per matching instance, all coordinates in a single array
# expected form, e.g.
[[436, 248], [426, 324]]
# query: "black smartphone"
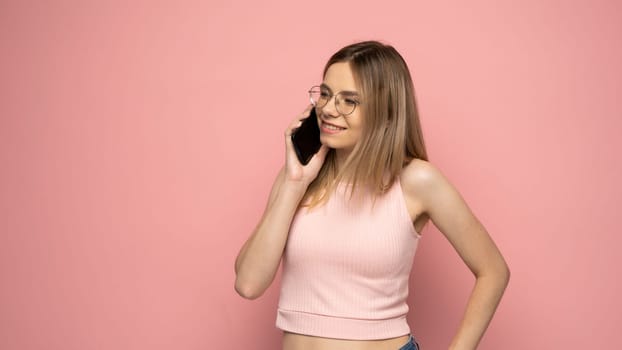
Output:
[[306, 138]]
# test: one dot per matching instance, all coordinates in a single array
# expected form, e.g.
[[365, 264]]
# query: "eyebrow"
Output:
[[345, 92]]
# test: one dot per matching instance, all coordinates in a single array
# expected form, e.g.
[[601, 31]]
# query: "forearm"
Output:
[[260, 256], [480, 309]]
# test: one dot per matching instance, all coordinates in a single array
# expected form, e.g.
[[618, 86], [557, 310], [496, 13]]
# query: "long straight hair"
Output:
[[391, 136]]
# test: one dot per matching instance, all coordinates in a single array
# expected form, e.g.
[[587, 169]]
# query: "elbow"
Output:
[[507, 274], [499, 274], [247, 290], [502, 275]]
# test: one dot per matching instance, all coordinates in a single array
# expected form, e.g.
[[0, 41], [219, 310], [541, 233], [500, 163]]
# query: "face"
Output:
[[338, 131]]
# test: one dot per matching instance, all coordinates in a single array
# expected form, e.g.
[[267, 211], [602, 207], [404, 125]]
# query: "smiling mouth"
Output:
[[331, 127]]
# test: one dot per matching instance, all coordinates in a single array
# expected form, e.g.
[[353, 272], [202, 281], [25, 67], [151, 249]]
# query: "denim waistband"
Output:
[[411, 344]]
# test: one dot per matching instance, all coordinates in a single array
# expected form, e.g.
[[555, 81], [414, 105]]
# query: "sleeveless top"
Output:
[[346, 266]]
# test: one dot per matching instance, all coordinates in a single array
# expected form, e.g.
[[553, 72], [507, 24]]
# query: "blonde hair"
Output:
[[392, 135]]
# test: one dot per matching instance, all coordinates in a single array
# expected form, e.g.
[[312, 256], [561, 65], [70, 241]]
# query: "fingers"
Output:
[[295, 123], [307, 110]]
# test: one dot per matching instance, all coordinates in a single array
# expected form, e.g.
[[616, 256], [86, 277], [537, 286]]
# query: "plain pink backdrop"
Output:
[[139, 140]]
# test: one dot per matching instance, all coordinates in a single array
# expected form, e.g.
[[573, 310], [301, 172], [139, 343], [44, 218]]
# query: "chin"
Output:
[[328, 142], [334, 145]]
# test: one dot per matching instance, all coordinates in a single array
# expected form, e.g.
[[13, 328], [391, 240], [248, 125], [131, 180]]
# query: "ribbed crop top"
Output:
[[346, 268]]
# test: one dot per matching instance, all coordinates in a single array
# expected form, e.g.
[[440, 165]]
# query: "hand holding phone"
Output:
[[306, 138]]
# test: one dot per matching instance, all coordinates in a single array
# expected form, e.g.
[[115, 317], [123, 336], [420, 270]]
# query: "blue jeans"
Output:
[[411, 345]]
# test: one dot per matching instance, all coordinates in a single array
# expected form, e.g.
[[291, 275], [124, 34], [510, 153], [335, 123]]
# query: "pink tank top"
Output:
[[346, 268]]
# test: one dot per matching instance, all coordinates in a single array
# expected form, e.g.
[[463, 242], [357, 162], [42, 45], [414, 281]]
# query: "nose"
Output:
[[330, 108]]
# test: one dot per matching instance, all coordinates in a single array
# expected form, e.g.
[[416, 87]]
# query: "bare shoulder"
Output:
[[417, 180], [424, 181], [420, 176]]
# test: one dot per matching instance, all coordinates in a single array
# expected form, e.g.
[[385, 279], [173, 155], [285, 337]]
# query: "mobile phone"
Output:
[[306, 138]]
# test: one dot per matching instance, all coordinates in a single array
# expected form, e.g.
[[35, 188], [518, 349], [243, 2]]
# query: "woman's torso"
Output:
[[295, 341]]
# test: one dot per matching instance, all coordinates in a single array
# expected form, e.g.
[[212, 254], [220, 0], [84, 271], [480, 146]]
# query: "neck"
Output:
[[341, 156]]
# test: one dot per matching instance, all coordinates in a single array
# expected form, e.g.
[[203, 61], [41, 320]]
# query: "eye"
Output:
[[350, 102], [324, 94]]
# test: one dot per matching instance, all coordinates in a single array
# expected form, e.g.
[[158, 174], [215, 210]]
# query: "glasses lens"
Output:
[[316, 96], [345, 104]]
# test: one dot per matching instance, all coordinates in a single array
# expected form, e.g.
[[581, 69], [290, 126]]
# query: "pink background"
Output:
[[138, 143]]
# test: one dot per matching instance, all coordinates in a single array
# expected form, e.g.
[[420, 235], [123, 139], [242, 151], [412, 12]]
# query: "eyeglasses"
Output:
[[345, 102]]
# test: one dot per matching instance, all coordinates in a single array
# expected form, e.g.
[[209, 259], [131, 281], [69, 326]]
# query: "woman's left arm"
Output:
[[452, 216]]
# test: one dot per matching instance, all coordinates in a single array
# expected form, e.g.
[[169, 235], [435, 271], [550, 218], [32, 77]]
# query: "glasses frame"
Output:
[[316, 103]]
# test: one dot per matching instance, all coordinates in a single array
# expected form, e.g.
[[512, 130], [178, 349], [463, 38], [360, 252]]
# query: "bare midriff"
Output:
[[293, 341]]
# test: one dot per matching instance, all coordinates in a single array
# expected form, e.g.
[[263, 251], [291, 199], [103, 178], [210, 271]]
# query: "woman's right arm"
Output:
[[259, 258]]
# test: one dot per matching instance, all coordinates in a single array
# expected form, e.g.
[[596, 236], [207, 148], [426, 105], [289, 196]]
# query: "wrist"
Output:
[[296, 187]]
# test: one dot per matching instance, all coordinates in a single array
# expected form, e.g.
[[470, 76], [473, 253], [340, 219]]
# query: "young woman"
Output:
[[347, 224]]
